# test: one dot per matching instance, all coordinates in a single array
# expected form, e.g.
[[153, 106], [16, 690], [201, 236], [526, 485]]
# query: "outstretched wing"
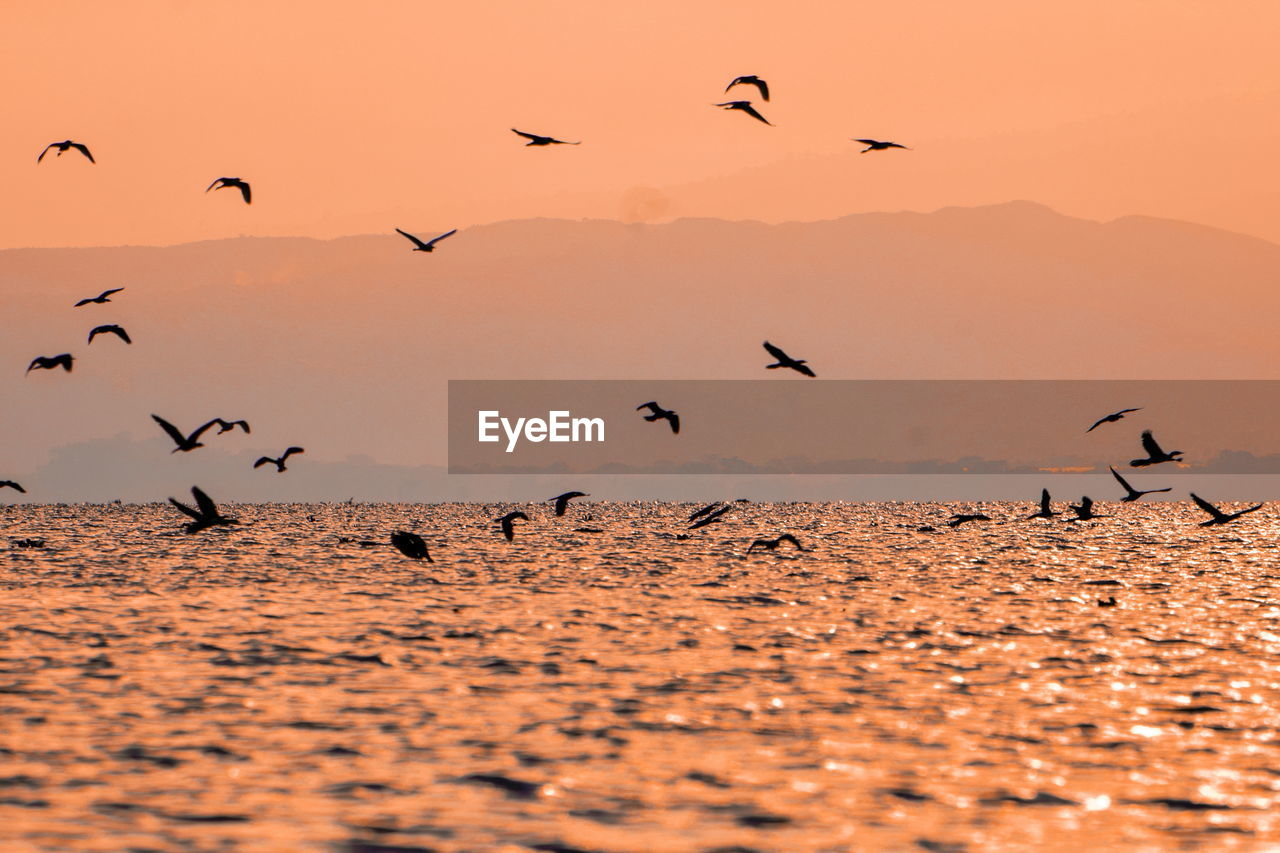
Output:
[[1099, 422], [416, 241], [204, 502], [264, 460], [104, 294], [868, 141], [1124, 484], [751, 111], [214, 184], [1206, 506], [776, 353], [1149, 444], [195, 436], [435, 240], [652, 406], [805, 369], [706, 509], [675, 422], [44, 152], [11, 484], [188, 510], [1044, 501], [83, 149], [1127, 411], [530, 136], [171, 430], [290, 451], [244, 191], [787, 537]]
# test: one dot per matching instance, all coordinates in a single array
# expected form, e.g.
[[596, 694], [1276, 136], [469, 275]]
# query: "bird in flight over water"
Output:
[[49, 362], [535, 139], [1155, 455], [1046, 511], [227, 426], [1218, 516], [279, 463], [111, 329], [64, 146], [706, 509], [508, 523], [411, 545], [744, 106], [877, 145], [772, 544], [800, 365], [12, 485], [1112, 418], [100, 298], [1133, 494], [660, 413], [750, 80], [205, 514], [710, 518], [429, 245], [223, 183], [185, 443], [1084, 512], [965, 517], [562, 501]]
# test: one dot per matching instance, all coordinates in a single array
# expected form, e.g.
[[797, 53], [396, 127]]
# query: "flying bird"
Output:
[[772, 544], [205, 514], [711, 517], [746, 107], [49, 362], [1045, 511], [660, 413], [12, 485], [966, 517], [1133, 494], [508, 523], [1084, 512], [429, 245], [100, 298], [706, 509], [877, 145], [111, 329], [64, 146], [279, 463], [799, 365], [535, 139], [1112, 418], [411, 545], [223, 183], [1218, 516], [1155, 455], [227, 426], [750, 80], [185, 443], [562, 501]]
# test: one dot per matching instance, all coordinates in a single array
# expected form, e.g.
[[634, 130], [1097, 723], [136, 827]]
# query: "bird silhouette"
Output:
[[279, 463], [227, 426], [64, 146], [1110, 602], [508, 523], [772, 544], [205, 514], [1045, 511], [1112, 418], [877, 145], [1155, 455], [750, 80], [659, 414], [1217, 515], [49, 362], [966, 517], [12, 485], [411, 545], [110, 329], [744, 106], [1084, 512], [701, 512], [799, 365], [1132, 494], [186, 443], [535, 139], [223, 183], [711, 517], [100, 298], [562, 501], [429, 245]]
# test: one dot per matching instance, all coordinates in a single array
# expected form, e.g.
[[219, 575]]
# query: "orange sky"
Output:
[[355, 118]]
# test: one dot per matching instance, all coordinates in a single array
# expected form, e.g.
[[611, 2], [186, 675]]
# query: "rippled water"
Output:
[[267, 688]]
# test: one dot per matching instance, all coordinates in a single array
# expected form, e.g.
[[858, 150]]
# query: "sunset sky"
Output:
[[357, 118]]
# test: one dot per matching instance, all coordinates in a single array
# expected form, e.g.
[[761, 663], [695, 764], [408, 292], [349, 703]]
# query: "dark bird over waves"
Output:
[[745, 106], [1155, 455], [562, 501], [783, 360], [49, 362], [429, 245], [1132, 494], [279, 463], [110, 329], [701, 512], [411, 545], [535, 139], [64, 146], [100, 298], [508, 523], [660, 414], [185, 443], [1217, 515], [877, 145], [1112, 418], [223, 183], [711, 517], [750, 80], [772, 544], [227, 426], [1084, 512], [205, 514], [966, 517], [10, 484], [1045, 511]]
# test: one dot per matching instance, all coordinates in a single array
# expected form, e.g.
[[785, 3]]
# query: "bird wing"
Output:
[[652, 406], [806, 370], [204, 502], [1206, 506], [763, 87], [415, 240], [214, 184], [264, 460], [44, 152], [245, 191], [290, 451], [706, 509], [171, 430], [675, 422], [195, 436], [1127, 411], [868, 141], [1044, 500], [435, 240], [787, 537], [83, 149], [244, 425], [1121, 480], [83, 302], [1149, 444], [1099, 422], [530, 136], [104, 294], [188, 510], [751, 111], [776, 353], [11, 484]]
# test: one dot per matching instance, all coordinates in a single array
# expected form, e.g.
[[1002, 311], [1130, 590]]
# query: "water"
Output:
[[265, 688]]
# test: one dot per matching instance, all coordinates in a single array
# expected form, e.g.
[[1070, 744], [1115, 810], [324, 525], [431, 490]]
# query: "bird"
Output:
[[772, 544], [706, 509], [100, 298], [429, 245], [12, 485], [411, 545], [64, 146], [1110, 602], [746, 107], [508, 523], [1084, 512], [799, 365], [965, 517], [223, 183], [1217, 515], [1155, 455], [49, 362], [227, 426], [659, 414], [750, 80], [279, 463], [110, 329], [205, 514], [535, 139], [1046, 511], [1133, 494], [562, 501], [710, 518], [1112, 418], [877, 145], [186, 443]]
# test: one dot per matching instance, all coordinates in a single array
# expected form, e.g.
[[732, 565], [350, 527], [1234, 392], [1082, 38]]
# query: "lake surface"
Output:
[[268, 688]]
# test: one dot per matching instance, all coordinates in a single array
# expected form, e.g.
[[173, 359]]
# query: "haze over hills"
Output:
[[344, 346]]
